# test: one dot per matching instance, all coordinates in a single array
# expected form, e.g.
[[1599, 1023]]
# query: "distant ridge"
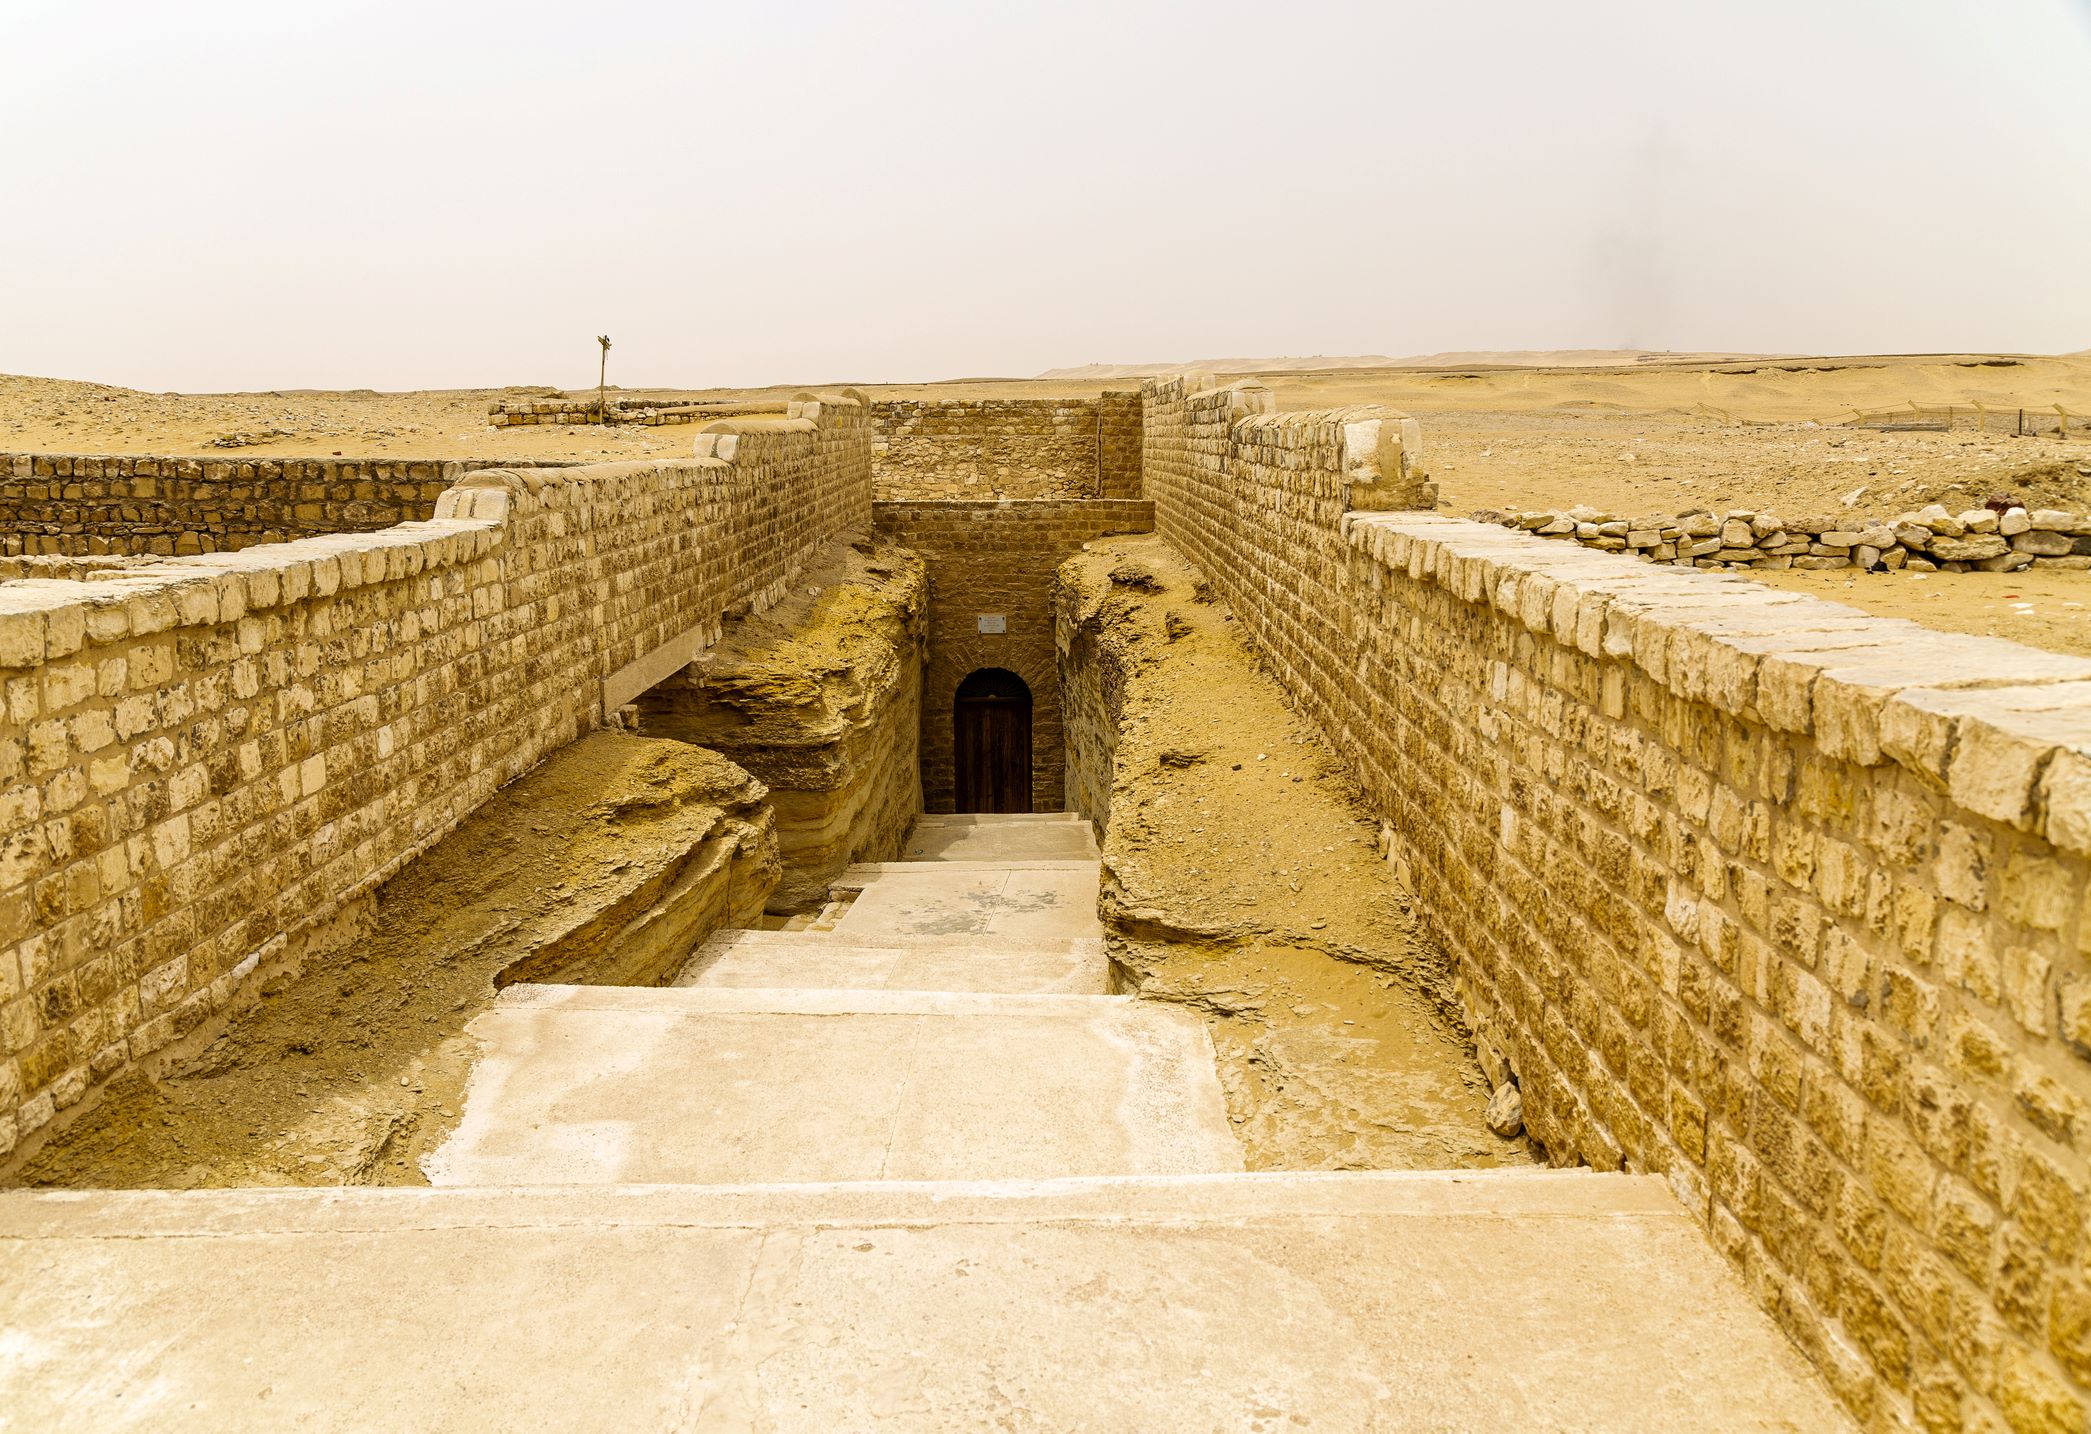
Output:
[[1494, 358]]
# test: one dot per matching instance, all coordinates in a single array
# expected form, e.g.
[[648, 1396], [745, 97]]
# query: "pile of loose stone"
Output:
[[1927, 540]]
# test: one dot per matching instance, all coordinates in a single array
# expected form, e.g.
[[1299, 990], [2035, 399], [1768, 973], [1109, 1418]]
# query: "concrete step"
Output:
[[622, 1085], [999, 819], [992, 838], [859, 875], [986, 944], [1052, 900], [818, 960], [1333, 1302]]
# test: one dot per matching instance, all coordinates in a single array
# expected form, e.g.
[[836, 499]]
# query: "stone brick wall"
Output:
[[1118, 419], [979, 449], [997, 559], [1783, 901], [81, 504], [204, 760]]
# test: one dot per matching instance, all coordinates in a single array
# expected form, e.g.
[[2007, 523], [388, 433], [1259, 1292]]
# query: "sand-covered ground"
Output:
[[1243, 877], [1635, 437]]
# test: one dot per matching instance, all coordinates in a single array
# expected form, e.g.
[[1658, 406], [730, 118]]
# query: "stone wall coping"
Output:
[[2002, 729], [44, 619]]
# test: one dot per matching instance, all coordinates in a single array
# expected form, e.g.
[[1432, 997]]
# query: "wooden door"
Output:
[[991, 743]]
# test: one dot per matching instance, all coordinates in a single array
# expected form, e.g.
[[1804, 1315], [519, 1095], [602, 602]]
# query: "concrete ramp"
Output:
[[1440, 1301], [598, 1085], [791, 960]]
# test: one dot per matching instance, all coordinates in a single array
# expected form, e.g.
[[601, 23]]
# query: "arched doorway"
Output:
[[991, 743]]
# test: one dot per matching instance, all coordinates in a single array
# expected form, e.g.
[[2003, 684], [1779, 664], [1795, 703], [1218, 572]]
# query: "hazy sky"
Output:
[[261, 195]]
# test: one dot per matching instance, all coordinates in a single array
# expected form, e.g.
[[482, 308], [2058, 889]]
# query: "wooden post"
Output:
[[602, 378]]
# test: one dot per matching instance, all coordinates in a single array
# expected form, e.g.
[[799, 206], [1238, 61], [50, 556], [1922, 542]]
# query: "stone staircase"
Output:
[[912, 1166]]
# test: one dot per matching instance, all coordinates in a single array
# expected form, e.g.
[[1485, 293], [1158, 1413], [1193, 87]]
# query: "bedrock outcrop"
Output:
[[819, 697]]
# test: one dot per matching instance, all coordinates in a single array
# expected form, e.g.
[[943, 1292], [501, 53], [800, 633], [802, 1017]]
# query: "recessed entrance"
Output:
[[991, 742]]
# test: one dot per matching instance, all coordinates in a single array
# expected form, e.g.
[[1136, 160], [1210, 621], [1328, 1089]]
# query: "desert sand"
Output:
[[1627, 433]]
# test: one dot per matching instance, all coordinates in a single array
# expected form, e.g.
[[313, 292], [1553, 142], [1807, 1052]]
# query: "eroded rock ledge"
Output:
[[1242, 877], [603, 866], [820, 697]]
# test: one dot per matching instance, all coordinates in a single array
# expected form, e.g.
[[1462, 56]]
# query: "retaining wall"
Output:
[[1779, 899], [204, 762], [82, 504], [991, 568], [979, 449]]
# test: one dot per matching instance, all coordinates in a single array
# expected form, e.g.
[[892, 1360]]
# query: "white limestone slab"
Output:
[[619, 1085], [805, 961], [1001, 838], [1332, 1302], [1052, 900]]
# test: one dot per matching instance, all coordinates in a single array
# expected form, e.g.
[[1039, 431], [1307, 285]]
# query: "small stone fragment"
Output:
[[1506, 1112]]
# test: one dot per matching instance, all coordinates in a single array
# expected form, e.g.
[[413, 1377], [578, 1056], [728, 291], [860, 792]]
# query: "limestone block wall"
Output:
[[82, 504], [1118, 419], [977, 449], [204, 760], [821, 698], [997, 561], [1784, 901]]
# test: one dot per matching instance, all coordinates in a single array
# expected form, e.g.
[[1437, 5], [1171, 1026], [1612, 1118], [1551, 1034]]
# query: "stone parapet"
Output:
[[1776, 898]]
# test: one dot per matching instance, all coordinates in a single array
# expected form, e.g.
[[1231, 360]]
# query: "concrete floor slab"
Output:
[[607, 1085], [1074, 968], [1052, 900], [1365, 1301], [986, 943], [991, 838]]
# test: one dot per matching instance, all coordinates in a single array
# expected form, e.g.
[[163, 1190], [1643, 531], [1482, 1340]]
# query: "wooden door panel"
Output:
[[991, 755]]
